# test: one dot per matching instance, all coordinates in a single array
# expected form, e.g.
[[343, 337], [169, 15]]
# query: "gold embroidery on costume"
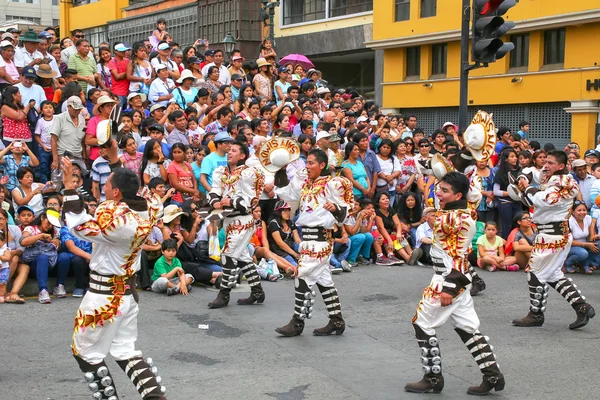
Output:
[[451, 231], [235, 227], [565, 190], [310, 192], [305, 251]]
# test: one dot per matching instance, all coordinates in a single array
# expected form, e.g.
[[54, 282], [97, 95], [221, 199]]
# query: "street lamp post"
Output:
[[229, 43]]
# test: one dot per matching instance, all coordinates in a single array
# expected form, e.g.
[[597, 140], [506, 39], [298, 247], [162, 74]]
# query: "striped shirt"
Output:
[[100, 172], [85, 67]]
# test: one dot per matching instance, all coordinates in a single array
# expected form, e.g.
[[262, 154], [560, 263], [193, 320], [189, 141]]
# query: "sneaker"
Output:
[[335, 270], [44, 297], [420, 264], [60, 292], [490, 268], [353, 264], [512, 268], [362, 261], [173, 290], [383, 261], [394, 260], [346, 267], [78, 292]]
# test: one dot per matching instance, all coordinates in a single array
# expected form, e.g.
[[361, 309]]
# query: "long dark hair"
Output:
[[242, 98], [504, 167], [8, 98], [38, 222], [148, 148], [411, 215], [348, 149]]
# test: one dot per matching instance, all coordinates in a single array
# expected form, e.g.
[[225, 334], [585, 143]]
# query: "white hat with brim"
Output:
[[171, 212], [134, 94], [277, 153], [104, 131], [261, 62], [480, 137], [186, 74], [53, 217], [440, 166], [323, 135], [447, 124], [101, 101], [6, 43]]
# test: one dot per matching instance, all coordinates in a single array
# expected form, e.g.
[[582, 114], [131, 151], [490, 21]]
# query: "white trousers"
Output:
[[431, 315], [313, 265], [238, 232], [548, 256], [118, 338]]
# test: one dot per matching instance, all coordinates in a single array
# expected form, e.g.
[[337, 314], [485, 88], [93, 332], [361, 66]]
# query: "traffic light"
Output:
[[488, 28]]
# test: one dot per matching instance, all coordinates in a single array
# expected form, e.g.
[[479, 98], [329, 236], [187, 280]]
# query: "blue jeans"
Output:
[[360, 244], [41, 266], [123, 101], [43, 170], [211, 266], [507, 212], [79, 265], [337, 257], [291, 259], [577, 255]]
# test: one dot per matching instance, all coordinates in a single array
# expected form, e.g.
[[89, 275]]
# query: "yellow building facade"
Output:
[[551, 79], [92, 18]]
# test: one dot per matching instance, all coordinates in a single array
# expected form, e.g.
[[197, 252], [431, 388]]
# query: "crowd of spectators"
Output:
[[183, 112]]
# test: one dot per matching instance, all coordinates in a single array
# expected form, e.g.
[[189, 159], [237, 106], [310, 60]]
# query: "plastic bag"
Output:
[[214, 250]]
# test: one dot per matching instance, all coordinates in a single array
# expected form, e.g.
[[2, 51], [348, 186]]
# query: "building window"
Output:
[[402, 10], [32, 19], [439, 56], [519, 57], [413, 62], [55, 22], [300, 11], [54, 2], [428, 8], [25, 1], [554, 46]]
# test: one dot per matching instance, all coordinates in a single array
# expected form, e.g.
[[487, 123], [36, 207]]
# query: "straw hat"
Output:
[[262, 62], [102, 100], [480, 137], [46, 71], [277, 153], [171, 212]]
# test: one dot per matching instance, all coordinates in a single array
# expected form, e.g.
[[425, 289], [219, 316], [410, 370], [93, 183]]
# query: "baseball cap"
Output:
[[122, 47], [209, 53], [29, 72], [237, 77], [24, 208], [75, 102], [361, 119], [578, 164], [295, 77], [6, 43], [159, 67], [156, 107], [157, 127], [222, 137], [194, 60], [8, 35], [591, 153], [13, 30], [235, 58], [44, 35], [323, 135], [283, 69], [163, 46], [335, 138]]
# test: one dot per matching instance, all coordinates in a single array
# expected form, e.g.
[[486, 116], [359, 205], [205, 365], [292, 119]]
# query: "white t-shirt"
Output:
[[388, 167], [578, 233], [4, 264], [44, 129]]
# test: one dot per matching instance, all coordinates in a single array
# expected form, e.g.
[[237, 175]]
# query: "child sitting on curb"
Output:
[[168, 274], [490, 251]]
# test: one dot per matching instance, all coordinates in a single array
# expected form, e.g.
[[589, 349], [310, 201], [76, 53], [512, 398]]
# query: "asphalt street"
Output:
[[241, 357]]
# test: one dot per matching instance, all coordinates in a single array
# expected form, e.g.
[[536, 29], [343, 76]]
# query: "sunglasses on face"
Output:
[[410, 144], [423, 145], [526, 219], [79, 36]]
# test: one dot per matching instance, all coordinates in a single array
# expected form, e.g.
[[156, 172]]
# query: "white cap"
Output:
[[323, 135], [361, 119]]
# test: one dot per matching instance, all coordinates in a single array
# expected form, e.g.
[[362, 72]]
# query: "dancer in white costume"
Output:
[[324, 202], [552, 204]]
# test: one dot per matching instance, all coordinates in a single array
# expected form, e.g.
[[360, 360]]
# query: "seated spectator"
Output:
[[424, 238], [131, 158], [390, 229], [76, 255], [5, 257], [28, 192], [261, 248], [154, 162], [283, 233], [359, 225], [196, 232], [168, 274], [5, 205], [341, 249], [40, 242], [25, 216], [524, 238], [410, 210], [12, 162], [583, 251], [151, 252], [11, 240], [490, 251]]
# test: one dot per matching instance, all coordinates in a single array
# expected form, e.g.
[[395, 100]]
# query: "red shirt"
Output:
[[185, 175], [120, 87]]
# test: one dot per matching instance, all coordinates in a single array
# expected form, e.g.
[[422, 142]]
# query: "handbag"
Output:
[[214, 250], [31, 253]]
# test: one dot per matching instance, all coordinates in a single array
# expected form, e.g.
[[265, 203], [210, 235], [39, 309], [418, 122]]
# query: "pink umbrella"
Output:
[[297, 59]]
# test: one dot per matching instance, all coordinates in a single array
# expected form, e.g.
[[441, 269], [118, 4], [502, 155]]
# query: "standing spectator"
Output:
[[41, 241], [14, 117], [162, 87], [411, 125], [503, 135], [101, 112], [507, 207], [524, 129], [84, 63], [217, 158], [262, 80], [70, 49], [164, 53], [282, 85], [9, 74], [185, 94], [355, 171], [408, 167], [118, 68], [486, 211], [105, 80], [54, 51], [181, 176], [390, 169], [28, 55], [584, 180], [139, 70], [236, 67], [369, 160], [43, 137], [131, 158], [224, 75], [29, 89], [47, 58], [159, 34], [68, 132]]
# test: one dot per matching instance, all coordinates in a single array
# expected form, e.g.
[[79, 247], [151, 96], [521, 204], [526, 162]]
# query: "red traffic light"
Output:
[[490, 6], [485, 7]]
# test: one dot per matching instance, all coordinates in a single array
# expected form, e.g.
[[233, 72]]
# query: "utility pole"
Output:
[[464, 65]]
